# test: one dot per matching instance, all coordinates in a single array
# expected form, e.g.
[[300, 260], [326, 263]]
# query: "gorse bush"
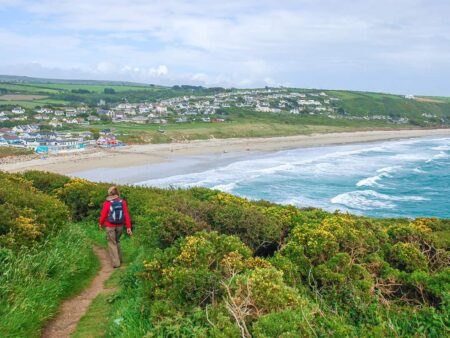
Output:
[[26, 213], [46, 181], [42, 259], [211, 264]]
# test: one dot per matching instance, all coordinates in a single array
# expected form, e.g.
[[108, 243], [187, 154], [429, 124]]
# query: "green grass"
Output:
[[94, 323], [249, 125], [364, 103], [92, 88], [53, 88], [34, 103], [28, 88], [34, 282], [100, 318]]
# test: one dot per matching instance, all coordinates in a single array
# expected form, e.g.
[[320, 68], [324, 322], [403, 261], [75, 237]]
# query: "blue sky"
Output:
[[400, 46]]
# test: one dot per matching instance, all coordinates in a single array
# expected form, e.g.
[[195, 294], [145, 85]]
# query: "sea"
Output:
[[402, 178]]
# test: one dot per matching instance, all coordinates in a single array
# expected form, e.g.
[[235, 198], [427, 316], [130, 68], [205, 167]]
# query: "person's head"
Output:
[[113, 193]]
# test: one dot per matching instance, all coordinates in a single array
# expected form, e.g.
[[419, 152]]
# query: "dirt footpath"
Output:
[[64, 324]]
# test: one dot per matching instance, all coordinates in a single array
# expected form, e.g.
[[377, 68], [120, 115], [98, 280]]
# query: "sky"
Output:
[[396, 46]]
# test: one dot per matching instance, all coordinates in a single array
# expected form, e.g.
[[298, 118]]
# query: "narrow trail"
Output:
[[71, 310]]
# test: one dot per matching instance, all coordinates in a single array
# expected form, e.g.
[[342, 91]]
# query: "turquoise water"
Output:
[[405, 178]]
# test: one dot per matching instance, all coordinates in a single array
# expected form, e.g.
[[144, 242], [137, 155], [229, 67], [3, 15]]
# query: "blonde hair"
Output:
[[113, 191]]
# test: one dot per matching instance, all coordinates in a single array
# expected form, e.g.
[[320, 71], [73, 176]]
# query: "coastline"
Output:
[[150, 154]]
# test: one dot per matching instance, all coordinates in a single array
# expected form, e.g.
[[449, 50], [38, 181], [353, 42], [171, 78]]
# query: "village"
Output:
[[49, 129]]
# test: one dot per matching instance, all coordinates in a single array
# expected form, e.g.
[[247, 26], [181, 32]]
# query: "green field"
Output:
[[93, 88], [28, 88], [69, 94]]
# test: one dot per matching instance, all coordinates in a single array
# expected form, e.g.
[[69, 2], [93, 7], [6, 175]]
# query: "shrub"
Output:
[[259, 291], [76, 194], [46, 181], [171, 224], [259, 228], [27, 214], [407, 257], [189, 271]]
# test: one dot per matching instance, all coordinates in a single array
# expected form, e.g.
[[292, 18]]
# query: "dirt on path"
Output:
[[65, 323]]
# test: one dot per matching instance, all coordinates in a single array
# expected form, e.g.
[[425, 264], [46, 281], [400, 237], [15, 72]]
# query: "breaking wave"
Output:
[[370, 199], [373, 180]]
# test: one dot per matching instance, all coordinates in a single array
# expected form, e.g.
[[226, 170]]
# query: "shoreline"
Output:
[[150, 154]]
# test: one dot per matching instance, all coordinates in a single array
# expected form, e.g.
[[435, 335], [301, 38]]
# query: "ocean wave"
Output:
[[373, 180], [442, 148], [417, 157], [225, 187], [370, 199], [439, 156], [418, 171], [370, 181]]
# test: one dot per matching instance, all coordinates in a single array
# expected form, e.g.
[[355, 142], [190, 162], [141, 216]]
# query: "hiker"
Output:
[[114, 216]]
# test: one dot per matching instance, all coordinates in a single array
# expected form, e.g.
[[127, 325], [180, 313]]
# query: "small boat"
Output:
[[162, 131]]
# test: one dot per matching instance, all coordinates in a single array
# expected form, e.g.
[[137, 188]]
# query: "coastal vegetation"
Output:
[[14, 151], [205, 263]]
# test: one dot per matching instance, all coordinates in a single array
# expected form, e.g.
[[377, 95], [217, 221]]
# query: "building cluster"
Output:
[[32, 137], [185, 109]]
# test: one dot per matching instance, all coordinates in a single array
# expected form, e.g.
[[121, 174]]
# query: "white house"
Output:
[[93, 118], [161, 109], [71, 113], [18, 111], [55, 123]]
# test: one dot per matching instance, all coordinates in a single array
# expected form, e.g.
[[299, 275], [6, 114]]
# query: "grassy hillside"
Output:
[[340, 110], [72, 94], [248, 125], [204, 263], [43, 258], [364, 104]]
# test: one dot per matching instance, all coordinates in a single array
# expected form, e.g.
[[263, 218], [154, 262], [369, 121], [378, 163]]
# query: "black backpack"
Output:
[[115, 214]]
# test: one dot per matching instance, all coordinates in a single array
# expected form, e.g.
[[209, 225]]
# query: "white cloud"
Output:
[[325, 43], [161, 70]]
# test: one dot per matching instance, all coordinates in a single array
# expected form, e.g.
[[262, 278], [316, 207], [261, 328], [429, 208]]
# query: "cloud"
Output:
[[306, 43], [161, 70]]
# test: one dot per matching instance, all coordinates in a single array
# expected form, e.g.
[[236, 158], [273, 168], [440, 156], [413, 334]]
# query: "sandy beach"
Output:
[[138, 155]]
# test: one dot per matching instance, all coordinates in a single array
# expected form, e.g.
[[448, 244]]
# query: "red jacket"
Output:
[[105, 211]]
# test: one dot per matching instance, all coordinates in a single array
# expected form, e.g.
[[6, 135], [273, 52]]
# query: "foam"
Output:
[[445, 147], [440, 155], [370, 199], [361, 200], [225, 187], [373, 180]]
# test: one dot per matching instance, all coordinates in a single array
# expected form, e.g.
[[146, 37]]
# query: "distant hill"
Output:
[[254, 112], [37, 80]]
